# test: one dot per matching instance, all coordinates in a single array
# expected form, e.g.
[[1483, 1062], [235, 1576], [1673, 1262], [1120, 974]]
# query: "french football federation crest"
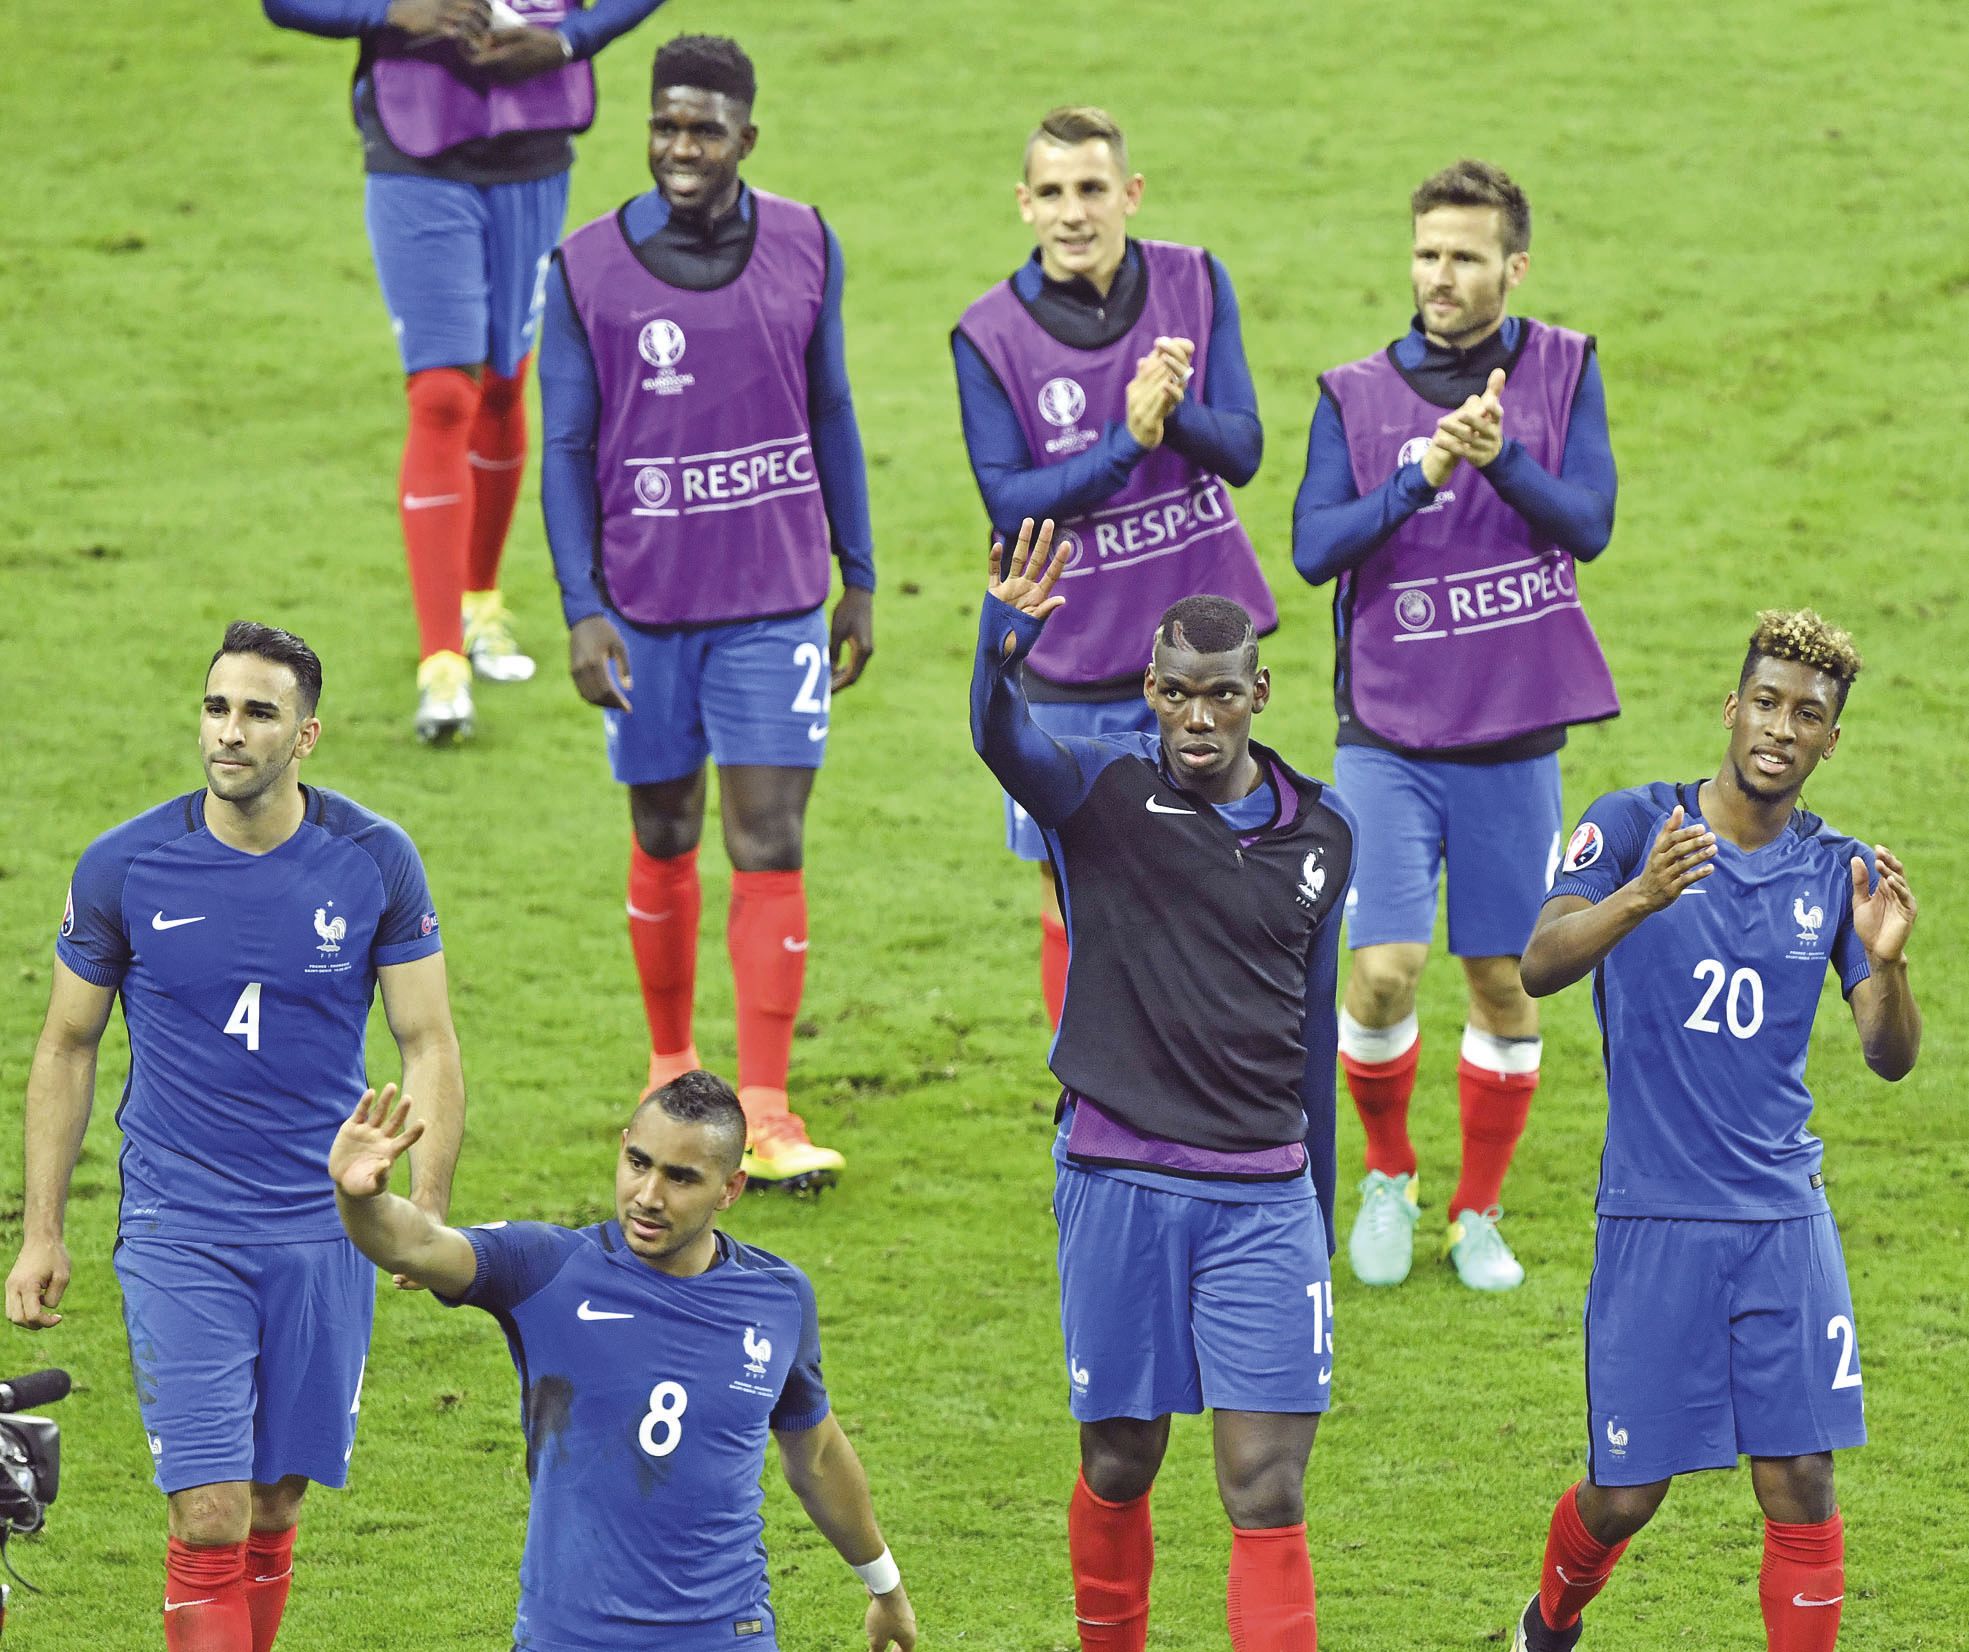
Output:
[[1585, 848], [331, 930], [1808, 919], [1312, 876], [758, 1350]]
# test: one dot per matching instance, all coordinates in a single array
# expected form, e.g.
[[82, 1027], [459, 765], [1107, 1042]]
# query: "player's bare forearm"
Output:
[[826, 1475], [402, 1238], [418, 1005], [1573, 935], [1888, 1019], [61, 1086]]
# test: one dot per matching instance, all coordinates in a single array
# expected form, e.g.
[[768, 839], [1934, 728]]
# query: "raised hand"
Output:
[[516, 54], [1884, 919], [1152, 396], [462, 20], [370, 1142], [1027, 584], [1474, 431], [1681, 856]]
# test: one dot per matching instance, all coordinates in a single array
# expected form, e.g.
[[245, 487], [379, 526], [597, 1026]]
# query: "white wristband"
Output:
[[881, 1574]]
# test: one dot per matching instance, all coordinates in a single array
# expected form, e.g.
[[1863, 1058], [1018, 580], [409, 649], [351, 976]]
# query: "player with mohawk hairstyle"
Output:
[[1707, 915]]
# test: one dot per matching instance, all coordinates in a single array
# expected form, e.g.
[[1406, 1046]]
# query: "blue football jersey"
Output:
[[645, 1401], [1706, 1010], [246, 983]]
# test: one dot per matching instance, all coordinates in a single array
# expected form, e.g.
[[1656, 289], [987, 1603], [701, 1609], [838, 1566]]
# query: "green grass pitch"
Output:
[[1755, 208]]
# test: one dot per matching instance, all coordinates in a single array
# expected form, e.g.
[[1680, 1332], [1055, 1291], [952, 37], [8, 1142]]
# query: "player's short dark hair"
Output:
[[1800, 634], [1209, 625], [1077, 123], [709, 62], [698, 1097], [269, 642], [1476, 183]]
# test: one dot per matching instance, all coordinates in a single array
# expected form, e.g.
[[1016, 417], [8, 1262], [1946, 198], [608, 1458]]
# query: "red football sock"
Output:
[[497, 454], [1381, 1090], [767, 937], [1270, 1602], [1801, 1585], [664, 903], [205, 1598], [1112, 1548], [1494, 1107], [434, 497], [269, 1572], [1577, 1564], [1053, 965]]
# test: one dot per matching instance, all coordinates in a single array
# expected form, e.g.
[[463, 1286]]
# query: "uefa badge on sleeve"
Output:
[[1585, 847]]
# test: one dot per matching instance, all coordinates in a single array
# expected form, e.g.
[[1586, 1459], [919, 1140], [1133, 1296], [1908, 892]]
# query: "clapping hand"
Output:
[[1681, 856], [1884, 919], [370, 1142], [1474, 431], [1027, 584]]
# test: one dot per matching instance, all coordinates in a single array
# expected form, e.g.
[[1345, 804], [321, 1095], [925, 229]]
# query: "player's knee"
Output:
[[211, 1516], [1120, 1465], [277, 1508], [664, 838], [1495, 985], [1615, 1513], [1795, 1490], [1265, 1496], [769, 844], [1384, 981], [442, 398]]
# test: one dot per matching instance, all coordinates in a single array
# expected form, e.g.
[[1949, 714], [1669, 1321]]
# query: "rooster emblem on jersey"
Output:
[[331, 930], [1312, 877], [758, 1350], [1809, 918]]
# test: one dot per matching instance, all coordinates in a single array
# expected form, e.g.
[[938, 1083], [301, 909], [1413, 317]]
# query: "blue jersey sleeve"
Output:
[[1219, 430], [836, 436], [1316, 1086], [515, 1259], [1013, 487], [335, 19], [408, 927], [1046, 776], [1574, 508], [803, 1402], [1334, 526], [1848, 950], [93, 941], [587, 31], [571, 415], [1608, 847]]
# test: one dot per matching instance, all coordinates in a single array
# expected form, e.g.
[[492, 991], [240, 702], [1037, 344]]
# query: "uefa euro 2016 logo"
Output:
[[1061, 402], [661, 344], [1415, 610], [653, 487], [1412, 451]]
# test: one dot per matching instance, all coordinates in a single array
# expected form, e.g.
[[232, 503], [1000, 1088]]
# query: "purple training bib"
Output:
[[704, 464], [1465, 626], [1170, 532], [429, 100]]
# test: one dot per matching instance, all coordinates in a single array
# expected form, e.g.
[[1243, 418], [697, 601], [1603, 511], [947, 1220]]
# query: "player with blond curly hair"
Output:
[[1718, 1320]]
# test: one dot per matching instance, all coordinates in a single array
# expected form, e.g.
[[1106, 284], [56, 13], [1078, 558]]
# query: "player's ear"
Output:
[[734, 1186], [306, 736], [1830, 744], [1131, 193], [1261, 690], [1730, 704], [1515, 269], [747, 139], [1024, 193]]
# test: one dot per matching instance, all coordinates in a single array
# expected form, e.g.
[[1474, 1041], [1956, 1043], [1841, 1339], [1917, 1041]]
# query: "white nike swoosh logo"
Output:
[[1156, 808], [792, 945], [1800, 1600], [180, 1605], [424, 501], [1562, 1576], [816, 731], [159, 921], [276, 1577], [649, 917], [1326, 1373], [586, 1312]]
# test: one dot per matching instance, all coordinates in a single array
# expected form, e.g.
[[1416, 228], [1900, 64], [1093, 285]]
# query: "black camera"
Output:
[[30, 1460]]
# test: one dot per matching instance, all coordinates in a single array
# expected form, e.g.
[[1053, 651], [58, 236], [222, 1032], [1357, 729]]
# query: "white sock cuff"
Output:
[[1501, 1055], [1374, 1045]]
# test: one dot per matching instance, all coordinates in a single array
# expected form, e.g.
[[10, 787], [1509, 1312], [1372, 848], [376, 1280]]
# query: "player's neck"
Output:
[[699, 1256], [1741, 817], [1464, 343], [263, 824], [1235, 784]]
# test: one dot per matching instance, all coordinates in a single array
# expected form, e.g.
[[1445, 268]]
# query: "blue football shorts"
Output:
[[1710, 1340], [753, 692], [247, 1358], [1495, 827], [463, 267], [1170, 1302], [1073, 719]]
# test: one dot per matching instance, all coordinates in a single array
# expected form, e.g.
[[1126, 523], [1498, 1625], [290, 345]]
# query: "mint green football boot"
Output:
[[1382, 1245]]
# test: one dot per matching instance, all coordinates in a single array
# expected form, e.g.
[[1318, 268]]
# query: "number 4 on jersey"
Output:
[[244, 1022]]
